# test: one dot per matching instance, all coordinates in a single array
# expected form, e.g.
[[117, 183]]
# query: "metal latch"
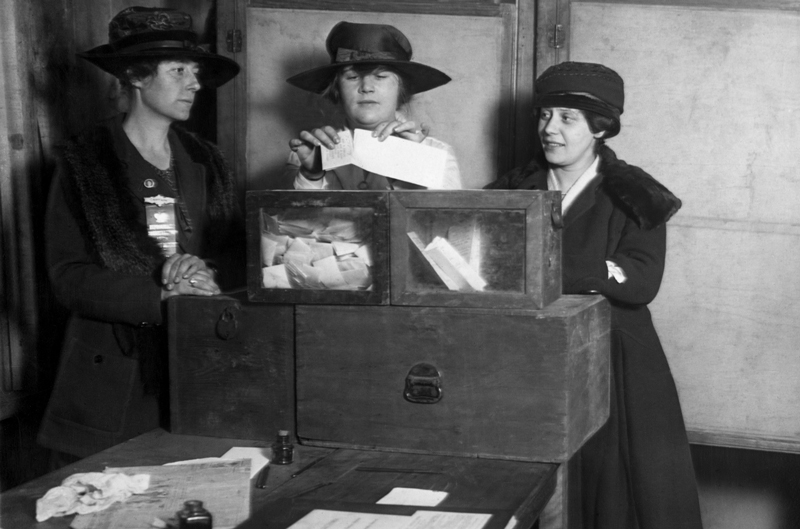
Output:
[[557, 36], [234, 40], [228, 323], [423, 384]]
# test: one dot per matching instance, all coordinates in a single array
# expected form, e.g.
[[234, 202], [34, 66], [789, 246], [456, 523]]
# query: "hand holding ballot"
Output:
[[391, 157]]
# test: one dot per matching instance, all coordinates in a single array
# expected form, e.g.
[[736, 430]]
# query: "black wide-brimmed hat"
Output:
[[349, 43], [143, 33]]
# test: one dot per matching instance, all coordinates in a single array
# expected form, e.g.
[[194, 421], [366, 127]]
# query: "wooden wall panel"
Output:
[[711, 110]]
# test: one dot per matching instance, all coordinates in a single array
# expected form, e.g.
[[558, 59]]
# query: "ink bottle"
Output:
[[282, 449], [194, 516]]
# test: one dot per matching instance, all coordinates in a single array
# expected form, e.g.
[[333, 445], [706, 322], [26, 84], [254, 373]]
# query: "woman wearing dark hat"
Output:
[[370, 78], [140, 211], [636, 470]]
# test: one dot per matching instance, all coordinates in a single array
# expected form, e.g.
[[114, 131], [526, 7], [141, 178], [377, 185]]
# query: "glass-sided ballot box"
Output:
[[474, 248], [471, 248], [311, 247]]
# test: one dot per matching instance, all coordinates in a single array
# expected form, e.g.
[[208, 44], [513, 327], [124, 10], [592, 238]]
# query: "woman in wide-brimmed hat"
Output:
[[371, 77], [140, 211], [636, 471]]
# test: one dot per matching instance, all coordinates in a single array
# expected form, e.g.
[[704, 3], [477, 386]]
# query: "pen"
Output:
[[261, 479], [305, 468]]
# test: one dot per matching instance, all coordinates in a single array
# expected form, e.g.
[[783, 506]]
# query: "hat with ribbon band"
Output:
[[144, 33], [349, 43]]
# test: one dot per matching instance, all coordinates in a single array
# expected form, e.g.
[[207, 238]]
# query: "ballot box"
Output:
[[318, 247], [231, 367], [493, 249], [529, 385], [471, 248]]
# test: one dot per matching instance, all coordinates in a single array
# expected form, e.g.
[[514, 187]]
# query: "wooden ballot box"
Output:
[[231, 367], [524, 385]]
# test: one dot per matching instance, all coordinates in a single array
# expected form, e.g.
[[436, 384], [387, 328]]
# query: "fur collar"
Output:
[[643, 197], [97, 194]]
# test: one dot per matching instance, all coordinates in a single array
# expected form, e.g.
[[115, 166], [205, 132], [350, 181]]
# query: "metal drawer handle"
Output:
[[423, 384]]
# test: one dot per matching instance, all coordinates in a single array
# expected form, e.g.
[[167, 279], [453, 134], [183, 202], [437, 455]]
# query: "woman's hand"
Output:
[[201, 283], [187, 274], [407, 130], [305, 147]]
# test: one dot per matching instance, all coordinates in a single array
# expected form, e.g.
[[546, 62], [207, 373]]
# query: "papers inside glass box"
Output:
[[325, 248], [466, 250]]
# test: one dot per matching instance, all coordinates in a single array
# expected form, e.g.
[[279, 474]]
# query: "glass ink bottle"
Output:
[[282, 449], [194, 516]]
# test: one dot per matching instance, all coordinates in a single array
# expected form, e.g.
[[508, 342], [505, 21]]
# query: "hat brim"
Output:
[[420, 76], [216, 70]]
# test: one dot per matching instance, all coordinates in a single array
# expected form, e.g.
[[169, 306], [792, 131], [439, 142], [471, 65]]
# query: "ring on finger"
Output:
[[193, 281]]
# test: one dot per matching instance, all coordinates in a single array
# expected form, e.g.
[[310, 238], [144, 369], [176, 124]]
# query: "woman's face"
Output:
[[368, 98], [566, 138], [169, 93]]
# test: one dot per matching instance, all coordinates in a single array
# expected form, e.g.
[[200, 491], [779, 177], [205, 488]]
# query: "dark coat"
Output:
[[637, 470], [112, 384]]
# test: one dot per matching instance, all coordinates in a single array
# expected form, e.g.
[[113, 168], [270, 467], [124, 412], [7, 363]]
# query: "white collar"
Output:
[[575, 189]]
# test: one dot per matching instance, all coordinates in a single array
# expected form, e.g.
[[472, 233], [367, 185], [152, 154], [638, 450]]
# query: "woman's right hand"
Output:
[[305, 148]]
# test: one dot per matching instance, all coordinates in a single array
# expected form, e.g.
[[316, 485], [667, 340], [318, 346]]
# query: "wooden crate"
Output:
[[528, 385], [231, 366], [509, 242], [373, 219]]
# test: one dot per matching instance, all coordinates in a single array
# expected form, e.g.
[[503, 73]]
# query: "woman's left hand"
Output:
[[181, 267], [407, 130]]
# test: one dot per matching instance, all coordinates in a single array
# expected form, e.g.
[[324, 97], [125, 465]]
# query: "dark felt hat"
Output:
[[581, 85], [349, 43], [143, 33]]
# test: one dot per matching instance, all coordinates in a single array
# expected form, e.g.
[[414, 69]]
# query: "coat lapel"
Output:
[[583, 202], [191, 180]]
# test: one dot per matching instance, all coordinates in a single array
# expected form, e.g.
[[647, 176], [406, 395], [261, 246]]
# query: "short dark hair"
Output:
[[599, 123], [332, 94]]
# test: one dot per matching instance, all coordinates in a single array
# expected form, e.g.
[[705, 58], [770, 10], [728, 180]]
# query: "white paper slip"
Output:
[[393, 158], [447, 520], [349, 520], [418, 497], [341, 154]]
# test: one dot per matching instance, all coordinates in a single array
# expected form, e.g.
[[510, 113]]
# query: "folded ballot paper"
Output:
[[456, 259], [393, 158], [329, 251]]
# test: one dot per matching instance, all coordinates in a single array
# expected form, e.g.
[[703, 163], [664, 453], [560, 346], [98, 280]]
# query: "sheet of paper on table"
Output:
[[222, 486], [393, 157], [409, 496], [420, 520], [255, 454]]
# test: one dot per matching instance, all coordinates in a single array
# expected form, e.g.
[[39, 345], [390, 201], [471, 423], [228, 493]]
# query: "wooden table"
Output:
[[339, 479]]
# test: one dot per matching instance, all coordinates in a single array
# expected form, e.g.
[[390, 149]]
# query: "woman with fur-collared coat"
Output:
[[636, 471], [140, 211]]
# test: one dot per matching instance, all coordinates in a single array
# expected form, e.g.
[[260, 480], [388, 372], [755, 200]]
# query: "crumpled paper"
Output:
[[89, 492]]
